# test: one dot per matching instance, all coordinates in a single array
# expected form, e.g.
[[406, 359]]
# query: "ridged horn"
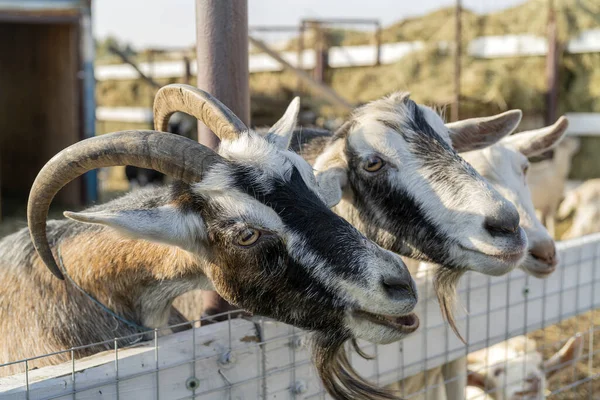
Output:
[[172, 155], [198, 103]]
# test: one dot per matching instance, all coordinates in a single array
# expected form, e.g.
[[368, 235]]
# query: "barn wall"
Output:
[[39, 103]]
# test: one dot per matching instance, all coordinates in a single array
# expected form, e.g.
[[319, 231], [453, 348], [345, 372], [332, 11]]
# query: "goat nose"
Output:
[[502, 225], [399, 287], [545, 252]]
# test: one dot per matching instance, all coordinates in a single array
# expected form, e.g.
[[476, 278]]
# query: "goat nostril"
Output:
[[499, 226], [397, 288], [544, 254]]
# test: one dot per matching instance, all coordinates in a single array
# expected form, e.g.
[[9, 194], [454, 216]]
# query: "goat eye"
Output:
[[248, 237], [374, 164], [498, 371], [525, 169]]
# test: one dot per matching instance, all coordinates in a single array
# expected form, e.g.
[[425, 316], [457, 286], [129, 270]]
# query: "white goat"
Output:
[[516, 370], [547, 180], [585, 202]]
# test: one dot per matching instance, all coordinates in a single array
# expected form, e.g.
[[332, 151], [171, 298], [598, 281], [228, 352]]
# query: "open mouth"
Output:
[[405, 323]]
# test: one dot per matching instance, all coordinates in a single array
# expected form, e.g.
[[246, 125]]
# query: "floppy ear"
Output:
[[281, 133], [165, 224], [535, 142], [478, 133], [565, 357]]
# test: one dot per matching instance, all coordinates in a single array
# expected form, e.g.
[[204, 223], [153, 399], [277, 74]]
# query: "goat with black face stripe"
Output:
[[248, 221]]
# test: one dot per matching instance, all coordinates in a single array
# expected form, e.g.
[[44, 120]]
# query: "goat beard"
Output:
[[445, 282], [339, 378]]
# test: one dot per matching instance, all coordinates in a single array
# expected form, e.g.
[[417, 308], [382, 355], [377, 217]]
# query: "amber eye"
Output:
[[248, 237], [373, 164]]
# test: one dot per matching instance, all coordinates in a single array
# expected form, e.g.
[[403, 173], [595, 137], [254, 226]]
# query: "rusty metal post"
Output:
[[552, 67], [457, 60], [222, 56]]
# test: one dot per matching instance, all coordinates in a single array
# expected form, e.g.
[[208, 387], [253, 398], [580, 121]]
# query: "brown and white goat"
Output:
[[247, 221]]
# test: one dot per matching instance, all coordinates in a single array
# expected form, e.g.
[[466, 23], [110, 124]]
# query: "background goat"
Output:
[[241, 221], [547, 180], [584, 203], [516, 370]]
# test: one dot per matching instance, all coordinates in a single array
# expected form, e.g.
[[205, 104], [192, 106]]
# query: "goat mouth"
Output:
[[504, 257], [405, 323]]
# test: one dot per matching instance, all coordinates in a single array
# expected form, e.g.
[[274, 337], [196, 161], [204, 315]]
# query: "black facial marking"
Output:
[[395, 210], [325, 234]]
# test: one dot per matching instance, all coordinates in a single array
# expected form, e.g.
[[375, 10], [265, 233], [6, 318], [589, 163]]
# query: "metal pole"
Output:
[[222, 56], [457, 59], [552, 66]]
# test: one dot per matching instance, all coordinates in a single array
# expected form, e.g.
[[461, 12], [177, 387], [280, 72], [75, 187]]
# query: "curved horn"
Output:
[[202, 105], [172, 155]]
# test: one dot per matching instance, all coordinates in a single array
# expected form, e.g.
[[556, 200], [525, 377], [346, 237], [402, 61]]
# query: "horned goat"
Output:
[[547, 180], [247, 221]]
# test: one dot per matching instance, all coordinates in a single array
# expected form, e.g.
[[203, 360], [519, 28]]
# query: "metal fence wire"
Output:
[[260, 358]]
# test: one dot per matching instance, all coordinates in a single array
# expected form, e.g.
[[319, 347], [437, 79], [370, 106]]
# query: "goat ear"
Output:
[[331, 185], [165, 224], [565, 357], [281, 133], [535, 142], [478, 133], [332, 172], [476, 379]]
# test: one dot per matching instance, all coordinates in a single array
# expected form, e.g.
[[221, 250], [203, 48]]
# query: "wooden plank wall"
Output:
[[39, 103]]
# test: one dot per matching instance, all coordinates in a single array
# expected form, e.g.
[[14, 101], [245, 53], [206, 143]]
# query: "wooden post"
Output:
[[551, 67], [222, 57], [378, 43], [187, 77], [457, 60], [300, 63]]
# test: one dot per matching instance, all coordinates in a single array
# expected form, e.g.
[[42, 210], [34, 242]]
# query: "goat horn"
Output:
[[198, 103], [172, 155]]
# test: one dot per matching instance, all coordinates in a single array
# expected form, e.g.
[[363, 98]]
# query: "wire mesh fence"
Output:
[[552, 323]]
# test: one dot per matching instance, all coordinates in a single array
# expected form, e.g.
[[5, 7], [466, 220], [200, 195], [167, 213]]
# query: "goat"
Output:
[[516, 370], [392, 172], [248, 221], [504, 165], [584, 202], [547, 181]]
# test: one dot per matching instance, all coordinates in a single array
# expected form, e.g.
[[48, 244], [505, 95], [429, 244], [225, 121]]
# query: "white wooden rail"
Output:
[[244, 360]]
